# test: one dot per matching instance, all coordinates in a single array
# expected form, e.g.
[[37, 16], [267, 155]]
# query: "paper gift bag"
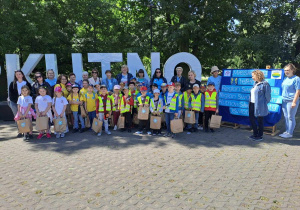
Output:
[[176, 126], [42, 123], [24, 125], [68, 109], [155, 122], [87, 122], [82, 111], [121, 122], [143, 113], [135, 119], [97, 125], [60, 125], [215, 121], [189, 117]]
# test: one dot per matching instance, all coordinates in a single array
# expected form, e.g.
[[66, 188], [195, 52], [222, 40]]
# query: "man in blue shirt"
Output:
[[215, 78]]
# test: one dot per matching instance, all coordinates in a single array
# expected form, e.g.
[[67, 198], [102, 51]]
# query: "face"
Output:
[[103, 90], [85, 84], [72, 78], [179, 72], [90, 89], [69, 88], [171, 88], [196, 89], [24, 92], [191, 76], [177, 88], [288, 72], [42, 92], [124, 70], [158, 73], [95, 73], [64, 80], [254, 77], [215, 73], [164, 88], [156, 95], [19, 75], [210, 87], [97, 87], [122, 85], [202, 89], [125, 91], [50, 74], [38, 78], [141, 75], [108, 75], [189, 91], [58, 94], [131, 86], [75, 90], [144, 93], [85, 76], [116, 91]]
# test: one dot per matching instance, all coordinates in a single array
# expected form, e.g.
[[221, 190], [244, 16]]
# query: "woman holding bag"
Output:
[[260, 96]]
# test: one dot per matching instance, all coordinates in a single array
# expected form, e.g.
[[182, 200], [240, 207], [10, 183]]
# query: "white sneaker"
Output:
[[200, 128], [138, 132], [286, 136], [115, 128], [149, 133], [283, 133], [108, 132], [99, 134]]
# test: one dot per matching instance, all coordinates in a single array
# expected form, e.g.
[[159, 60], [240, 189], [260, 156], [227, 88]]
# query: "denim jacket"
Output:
[[262, 98]]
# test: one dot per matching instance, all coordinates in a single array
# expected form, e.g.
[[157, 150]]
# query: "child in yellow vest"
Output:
[[103, 108], [115, 97], [125, 105], [143, 101], [90, 103], [156, 108], [211, 104]]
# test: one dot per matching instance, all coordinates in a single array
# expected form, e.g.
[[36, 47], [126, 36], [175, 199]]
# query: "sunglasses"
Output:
[[94, 72], [38, 77], [158, 72]]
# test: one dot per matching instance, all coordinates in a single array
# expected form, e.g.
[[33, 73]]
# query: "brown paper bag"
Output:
[[42, 123], [155, 122], [176, 126], [82, 111], [215, 121], [60, 125], [121, 122], [97, 125], [143, 113], [68, 109], [87, 122], [135, 119], [189, 117], [24, 125]]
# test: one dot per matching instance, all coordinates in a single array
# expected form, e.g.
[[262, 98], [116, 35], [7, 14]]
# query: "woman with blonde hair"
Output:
[[124, 76], [260, 96], [290, 99], [192, 79]]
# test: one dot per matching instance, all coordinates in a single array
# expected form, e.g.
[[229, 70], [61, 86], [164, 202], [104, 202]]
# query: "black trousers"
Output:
[[128, 120], [144, 124], [200, 119], [208, 115], [257, 130]]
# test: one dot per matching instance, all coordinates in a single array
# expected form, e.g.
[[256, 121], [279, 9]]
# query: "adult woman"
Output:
[[61, 82], [95, 80], [192, 79], [179, 78], [158, 78], [125, 76], [51, 77], [142, 80], [290, 99], [215, 78], [14, 91], [260, 96], [40, 81], [109, 82], [85, 75]]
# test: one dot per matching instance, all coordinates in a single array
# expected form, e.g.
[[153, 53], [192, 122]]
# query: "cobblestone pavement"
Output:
[[221, 170]]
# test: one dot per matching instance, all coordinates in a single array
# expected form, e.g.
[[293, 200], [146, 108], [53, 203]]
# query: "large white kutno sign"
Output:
[[133, 61]]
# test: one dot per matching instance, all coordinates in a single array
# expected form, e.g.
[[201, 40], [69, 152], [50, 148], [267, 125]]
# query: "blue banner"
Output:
[[236, 85]]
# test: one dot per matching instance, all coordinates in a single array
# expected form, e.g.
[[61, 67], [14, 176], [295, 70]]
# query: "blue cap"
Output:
[[211, 83], [75, 86]]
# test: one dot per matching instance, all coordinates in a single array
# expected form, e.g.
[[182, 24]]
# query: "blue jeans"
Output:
[[92, 115], [76, 116], [196, 121], [289, 115], [169, 117]]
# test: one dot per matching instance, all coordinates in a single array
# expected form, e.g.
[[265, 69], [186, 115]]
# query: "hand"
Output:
[[61, 115], [21, 116], [293, 105], [140, 104], [56, 115], [217, 111], [176, 114], [146, 105], [97, 115]]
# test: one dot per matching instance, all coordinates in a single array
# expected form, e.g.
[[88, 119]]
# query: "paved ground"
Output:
[[223, 170]]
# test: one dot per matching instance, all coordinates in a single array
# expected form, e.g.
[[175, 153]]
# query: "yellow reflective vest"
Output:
[[196, 102], [101, 104], [186, 99], [210, 101]]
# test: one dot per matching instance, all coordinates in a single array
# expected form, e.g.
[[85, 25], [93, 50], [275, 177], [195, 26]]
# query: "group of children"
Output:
[[92, 102]]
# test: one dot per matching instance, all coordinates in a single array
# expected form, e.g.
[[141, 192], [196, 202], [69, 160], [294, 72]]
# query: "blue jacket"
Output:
[[119, 77], [177, 103], [105, 82], [262, 98]]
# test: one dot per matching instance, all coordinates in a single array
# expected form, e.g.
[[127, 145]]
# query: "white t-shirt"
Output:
[[124, 79], [252, 93], [20, 85], [169, 97], [24, 101], [59, 104], [42, 102]]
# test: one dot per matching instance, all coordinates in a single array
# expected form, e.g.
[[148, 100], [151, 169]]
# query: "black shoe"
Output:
[[20, 135], [257, 138], [75, 130], [206, 130], [173, 135], [252, 137], [129, 130], [212, 130], [81, 130], [122, 129], [30, 136]]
